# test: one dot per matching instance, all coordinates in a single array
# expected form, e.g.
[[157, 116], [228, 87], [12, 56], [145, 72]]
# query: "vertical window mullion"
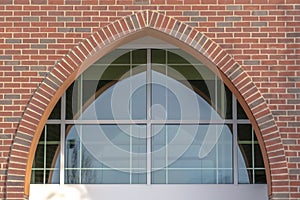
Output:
[[166, 137], [62, 139], [217, 144], [80, 103], [45, 154], [130, 136], [235, 141], [80, 154], [253, 160], [148, 74]]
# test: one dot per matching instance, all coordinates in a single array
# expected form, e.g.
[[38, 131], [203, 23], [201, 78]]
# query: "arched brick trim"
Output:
[[106, 39]]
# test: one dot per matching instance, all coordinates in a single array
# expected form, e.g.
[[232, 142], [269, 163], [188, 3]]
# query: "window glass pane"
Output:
[[245, 176], [55, 114], [179, 57], [47, 157], [109, 99], [159, 176], [158, 56], [123, 58], [118, 56], [245, 156], [223, 100], [241, 114], [192, 176], [139, 56], [260, 176], [184, 152], [250, 161], [173, 100], [108, 176], [94, 150], [37, 176], [139, 178], [72, 101], [45, 176], [258, 159]]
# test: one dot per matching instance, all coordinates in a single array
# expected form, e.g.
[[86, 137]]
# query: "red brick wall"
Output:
[[262, 36]]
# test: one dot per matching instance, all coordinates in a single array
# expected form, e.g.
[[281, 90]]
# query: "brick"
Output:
[[11, 96], [264, 24], [31, 19], [6, 57], [38, 2], [86, 30], [5, 2], [191, 13], [293, 34], [13, 41], [233, 19], [65, 30], [65, 19], [259, 12], [251, 62], [234, 7], [224, 24]]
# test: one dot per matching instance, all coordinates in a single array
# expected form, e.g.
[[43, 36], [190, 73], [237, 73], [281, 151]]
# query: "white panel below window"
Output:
[[148, 192]]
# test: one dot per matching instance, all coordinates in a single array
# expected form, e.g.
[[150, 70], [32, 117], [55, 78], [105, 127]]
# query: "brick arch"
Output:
[[105, 40]]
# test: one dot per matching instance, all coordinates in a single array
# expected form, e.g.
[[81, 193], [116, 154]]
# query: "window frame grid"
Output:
[[234, 121]]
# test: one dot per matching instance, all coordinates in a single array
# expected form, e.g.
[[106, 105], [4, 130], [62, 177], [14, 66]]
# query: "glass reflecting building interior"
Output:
[[148, 116]]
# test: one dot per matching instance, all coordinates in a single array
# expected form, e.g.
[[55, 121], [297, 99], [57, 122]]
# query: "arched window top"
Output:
[[148, 116]]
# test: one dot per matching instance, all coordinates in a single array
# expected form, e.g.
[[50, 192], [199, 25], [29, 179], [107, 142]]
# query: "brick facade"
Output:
[[254, 43]]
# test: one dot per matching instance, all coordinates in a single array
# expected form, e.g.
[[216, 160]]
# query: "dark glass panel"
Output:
[[158, 56], [241, 114], [72, 101], [223, 101], [123, 59], [52, 146], [229, 103], [56, 112], [260, 176], [258, 159], [139, 56], [38, 161], [246, 150], [175, 58], [37, 176], [184, 72], [244, 132], [50, 176], [114, 72]]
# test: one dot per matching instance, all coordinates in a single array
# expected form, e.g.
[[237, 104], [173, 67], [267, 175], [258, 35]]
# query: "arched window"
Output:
[[148, 116]]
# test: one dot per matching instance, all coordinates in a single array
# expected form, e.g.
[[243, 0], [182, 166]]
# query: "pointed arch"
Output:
[[110, 37]]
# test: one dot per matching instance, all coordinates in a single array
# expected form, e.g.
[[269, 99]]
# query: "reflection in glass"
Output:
[[204, 158], [92, 151], [110, 98]]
